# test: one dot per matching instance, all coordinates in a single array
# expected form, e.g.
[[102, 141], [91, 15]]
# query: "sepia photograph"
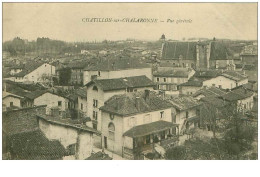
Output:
[[129, 81]]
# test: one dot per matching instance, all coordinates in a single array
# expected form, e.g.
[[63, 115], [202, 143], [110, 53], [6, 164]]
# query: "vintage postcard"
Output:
[[129, 81]]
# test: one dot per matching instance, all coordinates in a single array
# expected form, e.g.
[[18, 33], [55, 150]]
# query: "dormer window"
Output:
[[95, 88]]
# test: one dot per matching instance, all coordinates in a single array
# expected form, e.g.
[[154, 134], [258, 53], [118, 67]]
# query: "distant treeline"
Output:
[[20, 46]]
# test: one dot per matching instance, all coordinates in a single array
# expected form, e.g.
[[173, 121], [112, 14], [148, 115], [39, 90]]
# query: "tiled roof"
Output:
[[22, 120], [117, 63], [172, 73], [123, 83], [218, 102], [135, 103], [67, 123], [207, 73], [237, 94], [33, 145], [173, 50], [234, 75], [81, 92], [35, 94], [231, 96], [239, 66], [18, 91], [6, 94], [28, 67], [184, 103], [249, 67], [207, 92], [192, 83], [147, 129], [249, 86]]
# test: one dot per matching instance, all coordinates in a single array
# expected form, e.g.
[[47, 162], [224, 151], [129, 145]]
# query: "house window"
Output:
[[147, 139], [220, 86], [95, 103], [98, 73], [111, 116], [71, 149], [111, 131], [59, 103], [81, 106], [162, 114], [158, 79], [164, 79], [187, 114], [95, 88], [95, 126], [95, 115], [11, 104], [130, 89]]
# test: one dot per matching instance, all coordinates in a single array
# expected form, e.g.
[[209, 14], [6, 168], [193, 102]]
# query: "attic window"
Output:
[[95, 88]]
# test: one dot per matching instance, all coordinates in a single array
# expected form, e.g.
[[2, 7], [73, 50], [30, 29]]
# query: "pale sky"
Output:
[[63, 21]]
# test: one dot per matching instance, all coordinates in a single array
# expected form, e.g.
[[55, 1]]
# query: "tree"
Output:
[[64, 76]]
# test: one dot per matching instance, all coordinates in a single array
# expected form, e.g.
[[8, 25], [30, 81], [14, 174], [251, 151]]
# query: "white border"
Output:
[[128, 168]]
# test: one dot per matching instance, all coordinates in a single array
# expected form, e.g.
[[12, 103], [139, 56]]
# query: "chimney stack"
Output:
[[137, 103], [146, 95]]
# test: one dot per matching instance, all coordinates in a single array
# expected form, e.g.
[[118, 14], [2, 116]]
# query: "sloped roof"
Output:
[[173, 50], [184, 103], [208, 92], [147, 129], [35, 94], [67, 123], [7, 94], [34, 145], [117, 63], [18, 91], [81, 92], [172, 73], [231, 96], [192, 83], [237, 94], [123, 83], [234, 75], [28, 67], [218, 102], [135, 103], [207, 73], [13, 124]]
